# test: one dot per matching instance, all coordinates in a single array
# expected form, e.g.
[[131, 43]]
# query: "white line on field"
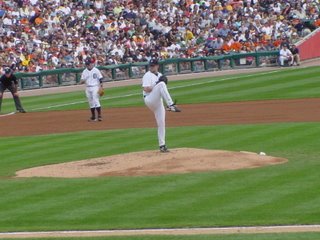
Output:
[[7, 114], [166, 231], [135, 94]]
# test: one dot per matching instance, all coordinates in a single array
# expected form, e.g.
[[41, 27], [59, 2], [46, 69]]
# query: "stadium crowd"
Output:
[[47, 34]]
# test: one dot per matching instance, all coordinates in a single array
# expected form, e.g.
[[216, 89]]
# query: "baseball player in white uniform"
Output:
[[93, 79], [154, 91], [285, 55]]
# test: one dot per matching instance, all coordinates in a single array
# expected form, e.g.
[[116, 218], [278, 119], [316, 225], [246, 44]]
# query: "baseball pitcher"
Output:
[[154, 92]]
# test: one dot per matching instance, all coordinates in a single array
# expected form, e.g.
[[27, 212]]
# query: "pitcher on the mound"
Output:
[[154, 92]]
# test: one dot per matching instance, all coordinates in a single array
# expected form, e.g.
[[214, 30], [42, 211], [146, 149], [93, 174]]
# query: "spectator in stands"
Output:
[[113, 25]]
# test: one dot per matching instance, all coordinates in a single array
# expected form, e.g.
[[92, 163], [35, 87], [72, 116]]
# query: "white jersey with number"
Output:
[[92, 77]]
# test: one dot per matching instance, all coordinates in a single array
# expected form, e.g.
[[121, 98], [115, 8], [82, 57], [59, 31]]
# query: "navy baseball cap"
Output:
[[153, 62], [87, 61], [7, 70]]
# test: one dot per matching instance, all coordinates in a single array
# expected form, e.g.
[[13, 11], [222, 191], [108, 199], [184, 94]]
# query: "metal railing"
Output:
[[71, 76]]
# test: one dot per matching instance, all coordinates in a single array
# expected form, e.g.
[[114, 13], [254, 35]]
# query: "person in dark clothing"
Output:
[[296, 54], [9, 81]]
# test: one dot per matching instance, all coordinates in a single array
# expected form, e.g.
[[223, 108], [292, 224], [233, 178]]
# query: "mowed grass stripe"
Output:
[[224, 137], [291, 135], [275, 137], [260, 87], [59, 191], [267, 195], [240, 202], [166, 203], [77, 209], [57, 148]]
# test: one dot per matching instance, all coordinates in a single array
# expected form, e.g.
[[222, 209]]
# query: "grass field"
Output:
[[289, 236], [275, 195]]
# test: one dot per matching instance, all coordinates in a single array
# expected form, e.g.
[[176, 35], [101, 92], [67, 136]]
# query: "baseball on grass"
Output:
[[262, 153]]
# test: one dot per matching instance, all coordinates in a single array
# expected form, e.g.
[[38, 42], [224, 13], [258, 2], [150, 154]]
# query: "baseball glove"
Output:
[[163, 79], [101, 91]]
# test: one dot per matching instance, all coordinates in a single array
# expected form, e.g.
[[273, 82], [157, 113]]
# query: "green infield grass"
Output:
[[274, 195]]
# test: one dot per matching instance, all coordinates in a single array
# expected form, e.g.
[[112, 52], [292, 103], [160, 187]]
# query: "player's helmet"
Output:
[[153, 62]]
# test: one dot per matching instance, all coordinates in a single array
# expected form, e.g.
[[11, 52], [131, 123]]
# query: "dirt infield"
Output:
[[251, 112]]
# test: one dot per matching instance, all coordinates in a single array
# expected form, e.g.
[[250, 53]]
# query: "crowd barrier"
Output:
[[309, 46], [71, 76]]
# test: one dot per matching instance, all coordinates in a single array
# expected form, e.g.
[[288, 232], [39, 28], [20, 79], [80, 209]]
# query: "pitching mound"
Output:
[[180, 160]]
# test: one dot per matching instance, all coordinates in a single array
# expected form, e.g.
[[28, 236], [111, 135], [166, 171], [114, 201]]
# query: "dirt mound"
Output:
[[180, 160]]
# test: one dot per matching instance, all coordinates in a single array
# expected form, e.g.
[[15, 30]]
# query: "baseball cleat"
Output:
[[164, 149], [99, 118], [173, 108], [92, 119], [21, 111]]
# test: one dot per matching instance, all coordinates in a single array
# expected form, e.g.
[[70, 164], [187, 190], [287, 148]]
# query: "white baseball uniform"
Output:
[[285, 54], [154, 101], [92, 79]]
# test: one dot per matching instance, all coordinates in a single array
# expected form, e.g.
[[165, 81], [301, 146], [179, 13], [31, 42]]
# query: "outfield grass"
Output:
[[284, 236], [273, 195]]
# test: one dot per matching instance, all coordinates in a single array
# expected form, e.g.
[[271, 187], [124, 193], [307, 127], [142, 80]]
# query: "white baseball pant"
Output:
[[155, 103], [93, 96], [284, 58]]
